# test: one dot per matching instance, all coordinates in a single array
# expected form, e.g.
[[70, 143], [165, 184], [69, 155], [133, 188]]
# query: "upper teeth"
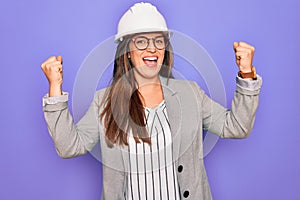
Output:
[[150, 58]]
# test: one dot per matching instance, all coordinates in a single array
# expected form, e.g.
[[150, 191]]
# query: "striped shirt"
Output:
[[152, 172]]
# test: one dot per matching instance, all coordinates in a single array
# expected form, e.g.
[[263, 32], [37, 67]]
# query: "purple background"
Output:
[[264, 166]]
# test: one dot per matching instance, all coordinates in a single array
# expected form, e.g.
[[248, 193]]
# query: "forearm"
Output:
[[62, 130], [55, 90], [236, 122], [240, 118], [70, 140]]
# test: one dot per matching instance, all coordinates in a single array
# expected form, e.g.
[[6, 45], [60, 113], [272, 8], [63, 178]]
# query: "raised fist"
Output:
[[52, 68], [243, 56]]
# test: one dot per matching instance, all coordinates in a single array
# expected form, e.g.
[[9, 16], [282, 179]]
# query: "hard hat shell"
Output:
[[141, 17]]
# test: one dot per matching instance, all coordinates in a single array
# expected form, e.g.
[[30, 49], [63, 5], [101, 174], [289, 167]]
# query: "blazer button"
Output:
[[186, 194], [180, 168]]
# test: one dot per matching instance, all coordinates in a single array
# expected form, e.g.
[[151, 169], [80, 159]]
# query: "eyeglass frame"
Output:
[[166, 41]]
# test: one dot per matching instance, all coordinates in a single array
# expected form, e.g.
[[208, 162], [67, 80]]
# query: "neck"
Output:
[[151, 91], [151, 88], [147, 82]]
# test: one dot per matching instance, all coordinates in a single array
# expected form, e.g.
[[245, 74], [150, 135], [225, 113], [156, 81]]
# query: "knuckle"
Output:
[[52, 58], [47, 65]]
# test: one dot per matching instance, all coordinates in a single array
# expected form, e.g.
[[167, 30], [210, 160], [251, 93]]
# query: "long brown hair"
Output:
[[122, 102]]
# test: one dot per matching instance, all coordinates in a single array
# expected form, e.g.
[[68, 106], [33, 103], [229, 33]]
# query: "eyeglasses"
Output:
[[142, 42]]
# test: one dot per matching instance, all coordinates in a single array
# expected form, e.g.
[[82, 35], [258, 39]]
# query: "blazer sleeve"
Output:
[[238, 121], [71, 139]]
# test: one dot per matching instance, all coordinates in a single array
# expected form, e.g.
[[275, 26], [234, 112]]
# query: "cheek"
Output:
[[135, 58], [162, 56]]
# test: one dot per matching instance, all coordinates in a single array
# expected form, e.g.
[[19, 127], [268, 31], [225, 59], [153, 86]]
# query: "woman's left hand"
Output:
[[243, 56]]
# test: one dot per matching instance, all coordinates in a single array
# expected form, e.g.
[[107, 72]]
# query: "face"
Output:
[[147, 62]]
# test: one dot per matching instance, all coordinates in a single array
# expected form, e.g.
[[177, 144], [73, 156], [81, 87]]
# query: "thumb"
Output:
[[59, 58], [235, 45]]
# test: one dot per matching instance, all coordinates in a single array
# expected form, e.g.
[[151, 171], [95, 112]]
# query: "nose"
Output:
[[151, 47]]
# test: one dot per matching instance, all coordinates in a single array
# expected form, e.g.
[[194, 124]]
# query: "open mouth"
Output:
[[150, 61]]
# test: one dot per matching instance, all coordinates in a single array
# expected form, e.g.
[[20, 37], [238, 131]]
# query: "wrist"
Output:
[[248, 75], [55, 90]]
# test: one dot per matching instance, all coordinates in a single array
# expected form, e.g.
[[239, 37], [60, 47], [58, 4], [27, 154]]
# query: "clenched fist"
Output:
[[244, 56], [52, 68]]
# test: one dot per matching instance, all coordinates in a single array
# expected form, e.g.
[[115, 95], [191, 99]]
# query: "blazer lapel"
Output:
[[172, 100]]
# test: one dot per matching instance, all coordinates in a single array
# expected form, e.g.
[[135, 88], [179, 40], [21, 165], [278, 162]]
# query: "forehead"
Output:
[[149, 35]]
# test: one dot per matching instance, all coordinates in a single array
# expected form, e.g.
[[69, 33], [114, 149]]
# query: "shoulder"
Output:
[[99, 95], [179, 84], [185, 88], [101, 92]]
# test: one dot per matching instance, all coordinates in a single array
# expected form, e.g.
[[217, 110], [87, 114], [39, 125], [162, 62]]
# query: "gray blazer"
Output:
[[190, 111]]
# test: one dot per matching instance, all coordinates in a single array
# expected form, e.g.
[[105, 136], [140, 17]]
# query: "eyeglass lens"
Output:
[[142, 42]]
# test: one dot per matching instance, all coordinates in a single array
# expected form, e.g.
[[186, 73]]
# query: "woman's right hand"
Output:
[[52, 68]]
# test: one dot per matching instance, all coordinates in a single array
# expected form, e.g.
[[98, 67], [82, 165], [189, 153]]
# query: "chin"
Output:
[[146, 72]]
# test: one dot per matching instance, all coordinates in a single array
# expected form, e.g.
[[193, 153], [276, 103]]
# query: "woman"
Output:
[[148, 124]]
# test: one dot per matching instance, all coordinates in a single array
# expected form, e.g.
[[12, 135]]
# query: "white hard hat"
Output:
[[141, 17]]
